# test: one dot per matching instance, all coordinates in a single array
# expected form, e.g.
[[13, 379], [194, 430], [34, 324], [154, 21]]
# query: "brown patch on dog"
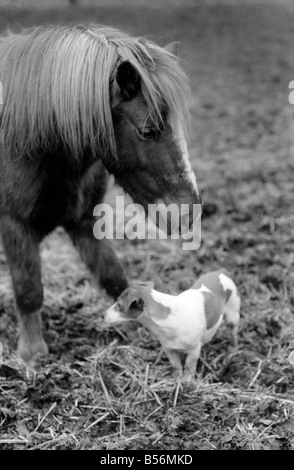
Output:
[[213, 308], [158, 310], [137, 300], [131, 303], [212, 282], [215, 300]]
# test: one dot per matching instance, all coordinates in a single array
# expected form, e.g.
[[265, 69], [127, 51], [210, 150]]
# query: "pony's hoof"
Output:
[[28, 352], [28, 371], [189, 379]]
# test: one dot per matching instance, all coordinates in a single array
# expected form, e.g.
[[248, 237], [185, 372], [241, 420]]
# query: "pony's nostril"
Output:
[[190, 218]]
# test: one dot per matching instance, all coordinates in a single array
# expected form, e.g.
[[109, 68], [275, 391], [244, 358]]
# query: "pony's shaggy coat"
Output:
[[57, 84], [79, 103]]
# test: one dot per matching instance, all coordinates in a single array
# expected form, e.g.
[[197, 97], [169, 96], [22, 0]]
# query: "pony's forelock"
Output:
[[57, 86]]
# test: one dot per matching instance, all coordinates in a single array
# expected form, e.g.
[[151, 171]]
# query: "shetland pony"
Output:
[[80, 103]]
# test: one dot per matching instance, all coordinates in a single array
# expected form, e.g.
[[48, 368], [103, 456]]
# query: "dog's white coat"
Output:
[[185, 326], [182, 325]]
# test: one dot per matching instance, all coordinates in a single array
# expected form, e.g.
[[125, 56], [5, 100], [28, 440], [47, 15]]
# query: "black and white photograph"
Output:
[[146, 227]]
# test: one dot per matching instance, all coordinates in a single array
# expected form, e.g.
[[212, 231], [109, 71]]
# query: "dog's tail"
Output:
[[232, 306]]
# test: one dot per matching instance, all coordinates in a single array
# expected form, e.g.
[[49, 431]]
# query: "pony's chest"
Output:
[[66, 193]]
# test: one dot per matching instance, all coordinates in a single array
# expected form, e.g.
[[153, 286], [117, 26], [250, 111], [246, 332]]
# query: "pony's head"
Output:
[[96, 88], [149, 111]]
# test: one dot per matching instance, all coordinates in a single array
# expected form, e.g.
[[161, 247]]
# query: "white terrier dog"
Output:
[[184, 322]]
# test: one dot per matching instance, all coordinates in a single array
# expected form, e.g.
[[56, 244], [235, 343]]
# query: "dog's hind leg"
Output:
[[22, 252], [232, 315], [100, 258], [191, 363]]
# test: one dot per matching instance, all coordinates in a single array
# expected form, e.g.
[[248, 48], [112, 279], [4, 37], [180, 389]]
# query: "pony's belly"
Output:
[[70, 194]]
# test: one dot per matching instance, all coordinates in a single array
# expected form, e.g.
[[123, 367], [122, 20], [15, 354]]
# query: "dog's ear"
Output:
[[136, 305]]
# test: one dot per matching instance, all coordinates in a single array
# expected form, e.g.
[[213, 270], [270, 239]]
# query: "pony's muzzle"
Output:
[[190, 218], [176, 219]]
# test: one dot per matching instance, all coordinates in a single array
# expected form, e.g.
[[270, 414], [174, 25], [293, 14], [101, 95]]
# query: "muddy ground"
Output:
[[99, 389]]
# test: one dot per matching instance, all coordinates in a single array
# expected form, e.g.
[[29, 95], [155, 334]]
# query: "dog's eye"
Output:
[[148, 133]]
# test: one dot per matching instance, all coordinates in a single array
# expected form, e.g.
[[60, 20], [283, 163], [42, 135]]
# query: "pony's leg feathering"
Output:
[[100, 258], [22, 252]]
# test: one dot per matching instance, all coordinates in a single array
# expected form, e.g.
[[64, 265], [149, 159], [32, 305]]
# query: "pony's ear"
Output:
[[128, 80], [173, 48]]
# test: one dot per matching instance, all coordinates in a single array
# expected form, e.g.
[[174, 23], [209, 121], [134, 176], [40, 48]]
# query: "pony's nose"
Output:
[[191, 217], [185, 218], [196, 201], [195, 210]]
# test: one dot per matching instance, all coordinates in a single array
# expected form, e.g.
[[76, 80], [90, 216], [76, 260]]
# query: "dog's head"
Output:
[[129, 306]]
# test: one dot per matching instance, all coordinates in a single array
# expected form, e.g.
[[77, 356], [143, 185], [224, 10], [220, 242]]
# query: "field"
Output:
[[102, 389]]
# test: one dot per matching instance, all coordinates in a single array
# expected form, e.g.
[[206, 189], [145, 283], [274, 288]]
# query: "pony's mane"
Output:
[[57, 84]]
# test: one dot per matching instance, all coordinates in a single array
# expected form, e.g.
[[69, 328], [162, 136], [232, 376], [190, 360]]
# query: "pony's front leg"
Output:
[[99, 256], [22, 253]]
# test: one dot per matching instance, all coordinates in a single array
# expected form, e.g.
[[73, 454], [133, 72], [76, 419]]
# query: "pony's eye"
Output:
[[148, 133]]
